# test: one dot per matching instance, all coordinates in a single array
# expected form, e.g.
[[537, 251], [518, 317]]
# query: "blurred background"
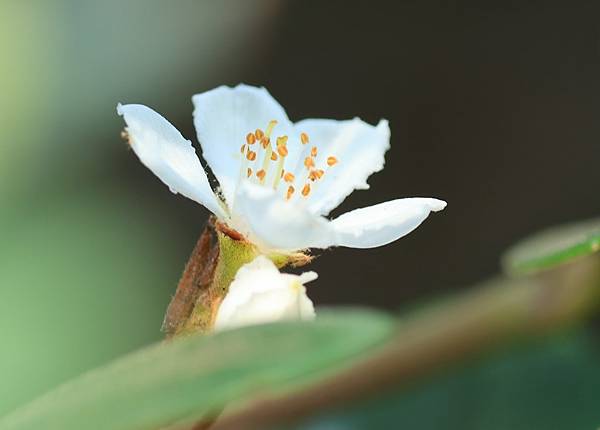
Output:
[[493, 107]]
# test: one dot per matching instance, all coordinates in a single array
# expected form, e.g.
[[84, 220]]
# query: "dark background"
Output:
[[492, 107]]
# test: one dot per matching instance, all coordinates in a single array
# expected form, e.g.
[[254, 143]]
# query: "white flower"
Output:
[[260, 294], [278, 180]]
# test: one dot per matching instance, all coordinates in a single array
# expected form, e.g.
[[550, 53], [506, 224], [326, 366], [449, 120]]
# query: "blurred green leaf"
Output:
[[82, 282], [553, 247], [551, 384], [191, 377]]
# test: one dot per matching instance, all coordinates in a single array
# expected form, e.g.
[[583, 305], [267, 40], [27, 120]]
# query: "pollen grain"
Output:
[[290, 192], [306, 190], [304, 138]]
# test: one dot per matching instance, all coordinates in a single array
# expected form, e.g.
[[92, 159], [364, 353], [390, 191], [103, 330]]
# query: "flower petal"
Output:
[[260, 294], [383, 223], [359, 149], [275, 224], [162, 149], [223, 117]]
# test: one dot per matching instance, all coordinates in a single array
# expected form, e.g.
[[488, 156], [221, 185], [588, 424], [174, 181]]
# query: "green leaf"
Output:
[[82, 282], [554, 246], [194, 377]]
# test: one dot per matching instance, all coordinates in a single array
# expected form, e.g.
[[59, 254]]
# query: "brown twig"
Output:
[[453, 332], [196, 277]]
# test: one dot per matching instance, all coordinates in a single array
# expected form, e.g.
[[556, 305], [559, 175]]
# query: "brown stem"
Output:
[[452, 332], [197, 277]]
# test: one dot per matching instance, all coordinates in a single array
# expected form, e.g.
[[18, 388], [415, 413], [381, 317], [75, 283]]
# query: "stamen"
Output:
[[282, 150], [313, 151], [243, 148], [259, 134], [315, 174], [249, 172], [250, 139], [261, 174], [282, 140], [331, 161], [306, 190], [251, 155], [265, 142], [290, 191], [309, 162], [270, 127], [267, 159], [288, 177], [304, 138]]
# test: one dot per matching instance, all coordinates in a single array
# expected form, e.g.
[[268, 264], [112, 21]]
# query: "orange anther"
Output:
[[265, 141], [250, 139], [309, 162], [243, 148], [251, 155], [282, 150], [313, 151], [261, 174], [274, 156], [304, 138], [306, 190], [259, 134], [288, 177], [331, 161], [249, 172], [315, 174], [290, 191]]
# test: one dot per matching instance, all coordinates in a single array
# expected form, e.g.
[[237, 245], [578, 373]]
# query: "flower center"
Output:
[[266, 165]]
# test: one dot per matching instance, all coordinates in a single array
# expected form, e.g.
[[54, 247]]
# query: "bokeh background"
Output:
[[493, 107]]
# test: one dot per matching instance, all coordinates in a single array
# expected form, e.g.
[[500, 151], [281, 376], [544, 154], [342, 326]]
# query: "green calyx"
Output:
[[232, 254]]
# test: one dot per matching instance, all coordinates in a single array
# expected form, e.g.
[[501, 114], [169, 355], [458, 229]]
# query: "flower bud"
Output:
[[261, 294]]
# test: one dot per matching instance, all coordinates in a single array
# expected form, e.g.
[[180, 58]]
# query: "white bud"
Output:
[[261, 294]]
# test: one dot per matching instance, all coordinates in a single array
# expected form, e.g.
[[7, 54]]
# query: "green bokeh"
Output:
[[87, 264], [81, 282]]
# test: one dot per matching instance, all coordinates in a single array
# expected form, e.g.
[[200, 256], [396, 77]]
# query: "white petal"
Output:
[[275, 224], [383, 223], [359, 149], [260, 294], [223, 117], [162, 149]]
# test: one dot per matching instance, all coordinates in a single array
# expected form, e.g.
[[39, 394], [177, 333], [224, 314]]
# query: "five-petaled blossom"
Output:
[[278, 180], [260, 294]]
